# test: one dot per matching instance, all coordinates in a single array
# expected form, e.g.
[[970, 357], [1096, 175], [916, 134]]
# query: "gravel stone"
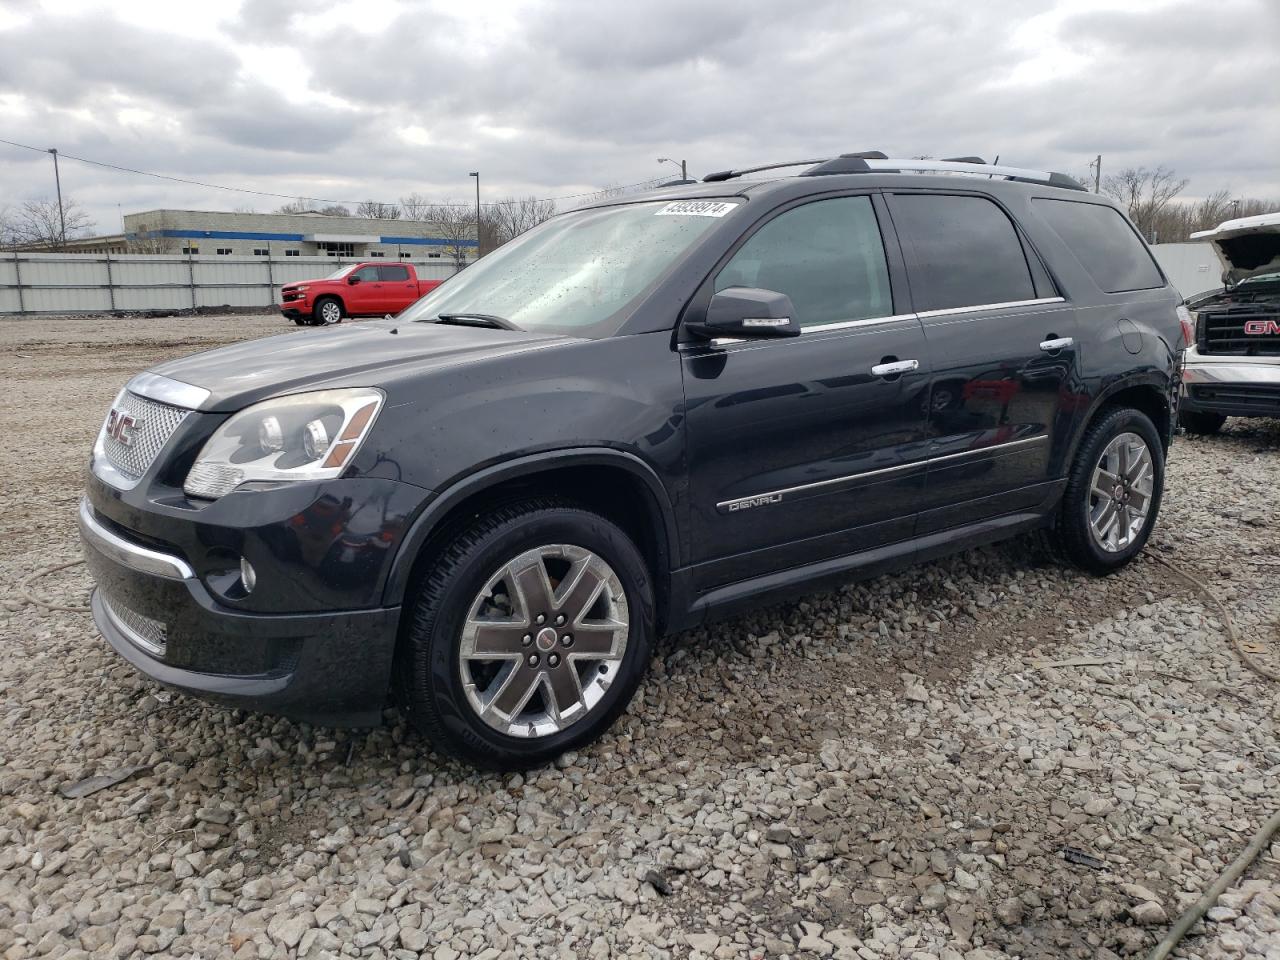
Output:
[[888, 770]]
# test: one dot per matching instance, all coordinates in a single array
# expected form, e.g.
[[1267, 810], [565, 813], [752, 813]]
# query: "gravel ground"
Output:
[[985, 756]]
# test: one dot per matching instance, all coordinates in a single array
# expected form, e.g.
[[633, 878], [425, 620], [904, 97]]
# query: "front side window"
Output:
[[393, 273], [967, 252], [1104, 243], [367, 274], [576, 274], [827, 256]]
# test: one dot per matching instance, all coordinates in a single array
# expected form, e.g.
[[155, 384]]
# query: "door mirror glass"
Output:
[[748, 312]]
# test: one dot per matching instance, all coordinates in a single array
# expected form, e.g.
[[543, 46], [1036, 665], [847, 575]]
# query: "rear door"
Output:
[[399, 289], [806, 448], [1003, 357]]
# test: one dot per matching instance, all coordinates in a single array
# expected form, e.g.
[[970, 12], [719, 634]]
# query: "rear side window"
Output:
[[1104, 243], [393, 273], [967, 252], [827, 256]]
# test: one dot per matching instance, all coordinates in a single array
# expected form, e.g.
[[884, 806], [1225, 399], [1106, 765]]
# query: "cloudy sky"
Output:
[[375, 100]]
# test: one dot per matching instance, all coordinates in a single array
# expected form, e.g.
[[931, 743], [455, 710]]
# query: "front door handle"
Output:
[[895, 368], [1056, 344]]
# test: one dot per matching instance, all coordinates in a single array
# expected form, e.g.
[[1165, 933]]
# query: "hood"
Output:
[[1248, 247], [356, 355]]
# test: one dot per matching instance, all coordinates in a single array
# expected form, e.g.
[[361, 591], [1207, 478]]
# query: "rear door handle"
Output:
[[895, 368], [1059, 343]]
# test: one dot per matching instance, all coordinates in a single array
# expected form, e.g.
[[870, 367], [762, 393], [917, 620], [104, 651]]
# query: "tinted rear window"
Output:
[[394, 273], [1104, 243], [967, 252]]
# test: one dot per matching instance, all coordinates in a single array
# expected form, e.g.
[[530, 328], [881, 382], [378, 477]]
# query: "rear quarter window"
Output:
[[1108, 248]]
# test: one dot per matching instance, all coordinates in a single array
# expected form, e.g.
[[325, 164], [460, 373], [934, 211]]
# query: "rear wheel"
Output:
[[328, 310], [1203, 424], [529, 634], [1113, 492]]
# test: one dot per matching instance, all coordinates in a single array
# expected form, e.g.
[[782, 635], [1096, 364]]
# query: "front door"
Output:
[[367, 295], [1003, 357], [809, 447]]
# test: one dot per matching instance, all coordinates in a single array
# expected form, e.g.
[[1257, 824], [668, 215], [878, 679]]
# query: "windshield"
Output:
[[341, 272], [1261, 278], [576, 273]]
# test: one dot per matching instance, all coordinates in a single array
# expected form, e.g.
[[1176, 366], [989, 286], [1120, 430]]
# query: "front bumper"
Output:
[[1234, 388], [330, 667], [297, 309]]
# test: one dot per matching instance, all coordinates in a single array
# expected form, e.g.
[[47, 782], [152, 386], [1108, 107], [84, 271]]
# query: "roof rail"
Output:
[[876, 162]]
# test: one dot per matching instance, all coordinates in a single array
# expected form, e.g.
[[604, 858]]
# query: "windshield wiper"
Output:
[[477, 320]]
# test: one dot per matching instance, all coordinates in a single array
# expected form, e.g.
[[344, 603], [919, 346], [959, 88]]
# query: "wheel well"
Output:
[[613, 492], [1147, 398], [331, 296]]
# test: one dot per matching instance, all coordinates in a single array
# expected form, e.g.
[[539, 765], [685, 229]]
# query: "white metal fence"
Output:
[[102, 283]]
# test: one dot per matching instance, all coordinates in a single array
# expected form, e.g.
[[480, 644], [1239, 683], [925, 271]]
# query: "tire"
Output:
[[1083, 504], [1202, 424], [457, 698], [327, 311]]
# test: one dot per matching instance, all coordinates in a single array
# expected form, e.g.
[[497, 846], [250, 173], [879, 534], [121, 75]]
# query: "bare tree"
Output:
[[456, 224], [8, 233], [506, 219], [1145, 194], [38, 223], [415, 206], [375, 210], [306, 206]]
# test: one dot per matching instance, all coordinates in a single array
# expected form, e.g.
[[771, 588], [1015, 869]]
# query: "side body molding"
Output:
[[439, 507]]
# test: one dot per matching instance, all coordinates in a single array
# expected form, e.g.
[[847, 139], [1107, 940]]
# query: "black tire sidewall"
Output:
[[318, 311], [1080, 541], [439, 679]]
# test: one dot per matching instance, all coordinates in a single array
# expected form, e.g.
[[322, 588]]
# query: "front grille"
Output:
[[150, 635], [1264, 399], [1223, 330], [153, 425]]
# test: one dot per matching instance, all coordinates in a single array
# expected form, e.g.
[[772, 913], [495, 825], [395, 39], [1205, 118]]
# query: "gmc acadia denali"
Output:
[[637, 416]]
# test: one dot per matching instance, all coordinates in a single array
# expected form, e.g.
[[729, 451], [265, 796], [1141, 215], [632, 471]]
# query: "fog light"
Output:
[[248, 576]]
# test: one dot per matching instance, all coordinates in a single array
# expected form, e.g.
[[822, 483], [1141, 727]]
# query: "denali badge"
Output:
[[748, 503], [120, 426], [1262, 328]]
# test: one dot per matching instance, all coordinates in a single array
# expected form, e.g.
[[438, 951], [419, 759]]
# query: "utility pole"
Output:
[[1097, 174], [683, 174], [476, 174], [62, 218]]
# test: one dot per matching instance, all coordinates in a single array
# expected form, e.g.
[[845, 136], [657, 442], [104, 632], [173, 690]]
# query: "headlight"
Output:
[[307, 436], [302, 289]]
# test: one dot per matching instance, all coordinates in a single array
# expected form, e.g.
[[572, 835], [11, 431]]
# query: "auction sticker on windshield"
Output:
[[696, 208]]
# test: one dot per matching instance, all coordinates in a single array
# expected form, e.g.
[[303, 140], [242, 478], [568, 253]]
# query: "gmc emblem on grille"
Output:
[[120, 427], [1262, 328]]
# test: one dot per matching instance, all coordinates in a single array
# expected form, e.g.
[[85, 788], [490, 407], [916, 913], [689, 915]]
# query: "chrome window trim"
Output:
[[979, 307], [850, 324], [164, 389], [126, 552], [775, 496]]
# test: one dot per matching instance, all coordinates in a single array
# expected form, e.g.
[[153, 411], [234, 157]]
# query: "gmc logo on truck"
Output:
[[120, 427], [1262, 328]]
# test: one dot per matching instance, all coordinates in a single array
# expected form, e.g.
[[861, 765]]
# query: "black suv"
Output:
[[637, 416]]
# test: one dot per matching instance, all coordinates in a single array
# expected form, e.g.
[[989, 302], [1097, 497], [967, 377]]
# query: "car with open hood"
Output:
[[1233, 369]]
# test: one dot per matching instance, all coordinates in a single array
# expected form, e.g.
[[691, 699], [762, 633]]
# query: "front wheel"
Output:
[[528, 635], [1113, 492], [328, 311]]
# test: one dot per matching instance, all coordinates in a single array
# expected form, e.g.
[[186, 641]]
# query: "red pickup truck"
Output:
[[365, 289]]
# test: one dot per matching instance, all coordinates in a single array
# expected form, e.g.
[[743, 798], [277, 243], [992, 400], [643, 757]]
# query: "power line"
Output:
[[290, 196]]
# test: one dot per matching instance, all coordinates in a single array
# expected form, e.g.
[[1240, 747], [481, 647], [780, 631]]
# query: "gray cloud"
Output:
[[570, 96]]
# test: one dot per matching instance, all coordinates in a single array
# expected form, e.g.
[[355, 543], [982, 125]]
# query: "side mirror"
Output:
[[353, 280], [748, 312]]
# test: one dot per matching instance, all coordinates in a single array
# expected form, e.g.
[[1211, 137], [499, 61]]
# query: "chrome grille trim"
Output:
[[155, 424], [142, 631], [175, 393]]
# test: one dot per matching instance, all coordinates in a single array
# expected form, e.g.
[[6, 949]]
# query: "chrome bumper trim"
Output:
[[1265, 372], [132, 635], [129, 554]]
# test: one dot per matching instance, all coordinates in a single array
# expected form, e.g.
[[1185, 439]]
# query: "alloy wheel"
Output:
[[1120, 494], [543, 640], [330, 312]]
